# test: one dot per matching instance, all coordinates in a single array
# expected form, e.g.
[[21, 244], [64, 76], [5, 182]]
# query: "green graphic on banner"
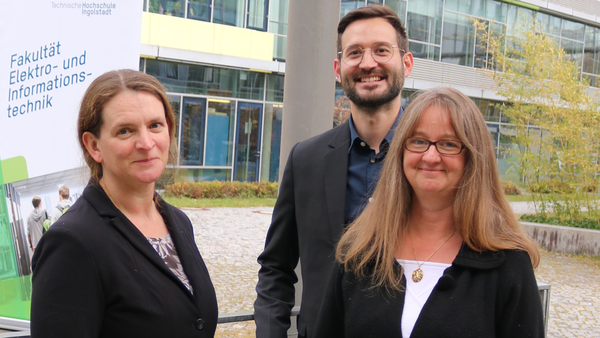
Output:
[[14, 169], [15, 291]]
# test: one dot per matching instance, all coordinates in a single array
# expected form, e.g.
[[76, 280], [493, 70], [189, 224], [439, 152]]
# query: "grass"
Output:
[[519, 198], [186, 202]]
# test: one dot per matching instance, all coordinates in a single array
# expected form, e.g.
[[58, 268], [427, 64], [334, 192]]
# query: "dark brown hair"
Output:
[[370, 12], [36, 201], [105, 88]]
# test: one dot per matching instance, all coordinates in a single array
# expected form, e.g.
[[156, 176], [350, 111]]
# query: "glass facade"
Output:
[[211, 101], [228, 120], [278, 19]]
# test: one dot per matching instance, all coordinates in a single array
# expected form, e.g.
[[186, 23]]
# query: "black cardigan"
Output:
[[96, 275], [489, 294]]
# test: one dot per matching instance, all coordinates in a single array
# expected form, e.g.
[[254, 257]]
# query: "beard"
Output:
[[374, 101]]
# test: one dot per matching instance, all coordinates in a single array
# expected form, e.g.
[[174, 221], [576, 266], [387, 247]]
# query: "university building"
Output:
[[223, 64]]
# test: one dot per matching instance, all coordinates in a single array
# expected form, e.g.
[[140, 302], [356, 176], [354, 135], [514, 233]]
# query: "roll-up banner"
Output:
[[50, 53]]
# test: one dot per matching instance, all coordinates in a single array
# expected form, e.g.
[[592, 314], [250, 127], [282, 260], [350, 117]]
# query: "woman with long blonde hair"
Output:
[[438, 251]]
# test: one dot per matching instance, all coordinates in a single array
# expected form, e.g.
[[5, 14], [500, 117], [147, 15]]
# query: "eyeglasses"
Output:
[[381, 51], [444, 147]]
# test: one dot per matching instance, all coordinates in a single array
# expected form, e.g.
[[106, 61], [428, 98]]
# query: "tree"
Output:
[[555, 120]]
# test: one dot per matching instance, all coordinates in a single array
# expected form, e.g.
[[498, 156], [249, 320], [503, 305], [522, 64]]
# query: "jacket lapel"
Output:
[[98, 198], [336, 171], [186, 250]]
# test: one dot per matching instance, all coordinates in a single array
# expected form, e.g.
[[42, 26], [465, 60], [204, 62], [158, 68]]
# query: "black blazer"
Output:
[[489, 294], [96, 275], [308, 220]]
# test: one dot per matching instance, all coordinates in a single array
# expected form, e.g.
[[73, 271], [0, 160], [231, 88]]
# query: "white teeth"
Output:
[[369, 79]]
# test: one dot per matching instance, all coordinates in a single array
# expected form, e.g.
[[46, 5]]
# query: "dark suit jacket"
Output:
[[308, 220], [96, 275], [489, 294]]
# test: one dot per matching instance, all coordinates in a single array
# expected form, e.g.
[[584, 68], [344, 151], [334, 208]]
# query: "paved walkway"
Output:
[[230, 239]]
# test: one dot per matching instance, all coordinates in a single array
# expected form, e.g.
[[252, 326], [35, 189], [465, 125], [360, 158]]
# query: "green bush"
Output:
[[218, 189], [551, 186], [583, 223], [510, 188]]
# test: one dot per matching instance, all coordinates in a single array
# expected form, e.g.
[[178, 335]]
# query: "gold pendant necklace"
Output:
[[418, 274]]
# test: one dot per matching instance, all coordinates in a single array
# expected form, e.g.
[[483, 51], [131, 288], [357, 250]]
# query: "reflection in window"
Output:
[[519, 18], [573, 50], [219, 132], [349, 5], [489, 9], [424, 20], [507, 155], [229, 12], [167, 7], [176, 105], [278, 19], [458, 41], [399, 7], [199, 10], [257, 14], [252, 85], [591, 57], [203, 80], [271, 143], [423, 51], [547, 23], [573, 30], [493, 129], [407, 96], [275, 87], [491, 110], [192, 138]]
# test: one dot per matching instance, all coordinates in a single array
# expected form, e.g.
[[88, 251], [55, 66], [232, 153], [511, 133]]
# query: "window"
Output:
[[488, 9], [203, 80], [271, 143], [219, 132], [591, 57], [167, 7], [424, 21], [278, 19], [458, 42], [192, 131], [275, 87], [229, 12], [257, 14], [199, 10]]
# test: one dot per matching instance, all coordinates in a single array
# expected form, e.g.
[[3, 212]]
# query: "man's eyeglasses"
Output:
[[381, 51], [444, 147]]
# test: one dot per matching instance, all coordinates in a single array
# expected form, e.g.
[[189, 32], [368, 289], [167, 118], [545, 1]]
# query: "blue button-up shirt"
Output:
[[364, 166]]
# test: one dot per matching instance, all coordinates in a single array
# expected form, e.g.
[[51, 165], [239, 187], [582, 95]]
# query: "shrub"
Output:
[[218, 189], [510, 188], [585, 223], [551, 186]]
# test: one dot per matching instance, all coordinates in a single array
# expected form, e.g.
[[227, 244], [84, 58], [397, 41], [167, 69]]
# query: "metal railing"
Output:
[[21, 327]]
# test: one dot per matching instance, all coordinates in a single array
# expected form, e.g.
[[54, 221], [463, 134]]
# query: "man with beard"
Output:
[[329, 178]]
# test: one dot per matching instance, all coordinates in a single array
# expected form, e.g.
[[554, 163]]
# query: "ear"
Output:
[[408, 63], [337, 68], [91, 144]]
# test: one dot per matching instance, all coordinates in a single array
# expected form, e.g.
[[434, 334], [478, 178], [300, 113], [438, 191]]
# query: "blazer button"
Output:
[[199, 324]]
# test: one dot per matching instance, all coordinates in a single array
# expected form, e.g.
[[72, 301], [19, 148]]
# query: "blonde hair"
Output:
[[482, 215], [64, 192]]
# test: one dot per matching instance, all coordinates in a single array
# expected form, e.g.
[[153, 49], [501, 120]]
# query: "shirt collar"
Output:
[[390, 135]]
